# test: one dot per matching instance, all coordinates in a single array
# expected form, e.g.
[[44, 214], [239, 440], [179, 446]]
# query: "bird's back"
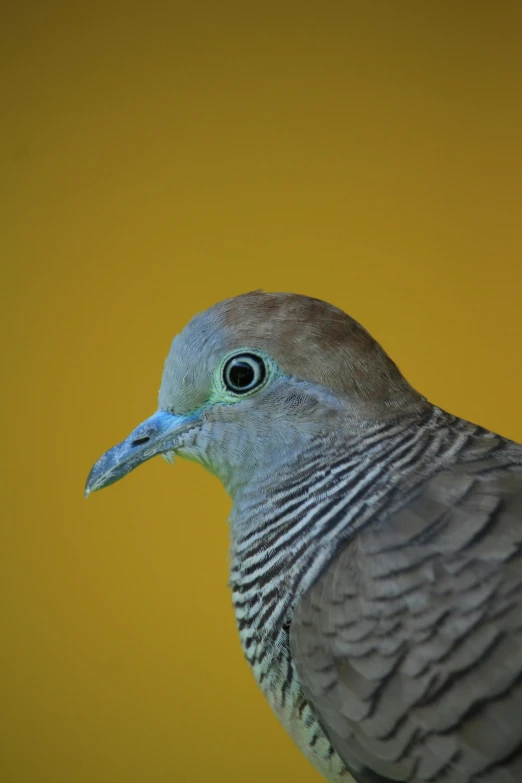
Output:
[[409, 646]]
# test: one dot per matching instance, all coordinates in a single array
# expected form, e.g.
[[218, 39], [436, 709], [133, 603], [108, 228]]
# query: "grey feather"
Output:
[[409, 645]]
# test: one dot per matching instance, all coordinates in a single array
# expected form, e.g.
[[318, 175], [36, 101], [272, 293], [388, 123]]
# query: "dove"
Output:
[[376, 540]]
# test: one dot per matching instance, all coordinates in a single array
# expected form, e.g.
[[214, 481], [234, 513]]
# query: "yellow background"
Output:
[[156, 158]]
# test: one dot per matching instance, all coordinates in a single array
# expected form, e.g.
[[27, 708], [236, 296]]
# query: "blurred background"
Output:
[[157, 157]]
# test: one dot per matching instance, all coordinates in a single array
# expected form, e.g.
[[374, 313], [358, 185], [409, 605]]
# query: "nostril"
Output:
[[139, 441]]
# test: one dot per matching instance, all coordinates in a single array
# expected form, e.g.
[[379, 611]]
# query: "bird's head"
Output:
[[249, 382]]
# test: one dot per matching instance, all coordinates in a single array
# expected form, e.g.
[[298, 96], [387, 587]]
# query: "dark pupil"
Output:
[[241, 374]]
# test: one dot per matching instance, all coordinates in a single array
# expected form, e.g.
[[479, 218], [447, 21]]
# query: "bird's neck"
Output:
[[284, 530]]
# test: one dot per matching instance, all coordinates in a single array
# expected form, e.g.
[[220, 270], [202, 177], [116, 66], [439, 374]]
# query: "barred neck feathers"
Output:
[[284, 532]]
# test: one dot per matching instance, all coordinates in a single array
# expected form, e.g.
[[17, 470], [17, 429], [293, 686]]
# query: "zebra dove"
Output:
[[376, 541]]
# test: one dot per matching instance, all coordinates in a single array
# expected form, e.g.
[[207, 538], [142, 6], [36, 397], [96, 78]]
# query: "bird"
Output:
[[375, 540]]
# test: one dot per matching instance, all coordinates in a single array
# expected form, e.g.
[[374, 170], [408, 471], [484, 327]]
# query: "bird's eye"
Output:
[[244, 373]]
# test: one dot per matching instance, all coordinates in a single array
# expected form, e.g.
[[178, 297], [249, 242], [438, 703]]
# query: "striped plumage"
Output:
[[376, 544], [313, 514]]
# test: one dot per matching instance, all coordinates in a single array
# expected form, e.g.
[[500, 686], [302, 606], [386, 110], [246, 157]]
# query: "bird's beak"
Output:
[[161, 434]]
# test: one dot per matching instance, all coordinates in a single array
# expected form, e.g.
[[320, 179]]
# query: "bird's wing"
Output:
[[409, 645]]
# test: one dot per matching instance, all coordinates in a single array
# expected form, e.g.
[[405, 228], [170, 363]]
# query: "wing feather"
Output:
[[409, 645]]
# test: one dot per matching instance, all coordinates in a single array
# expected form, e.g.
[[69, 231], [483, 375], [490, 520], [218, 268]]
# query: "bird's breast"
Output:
[[264, 635]]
